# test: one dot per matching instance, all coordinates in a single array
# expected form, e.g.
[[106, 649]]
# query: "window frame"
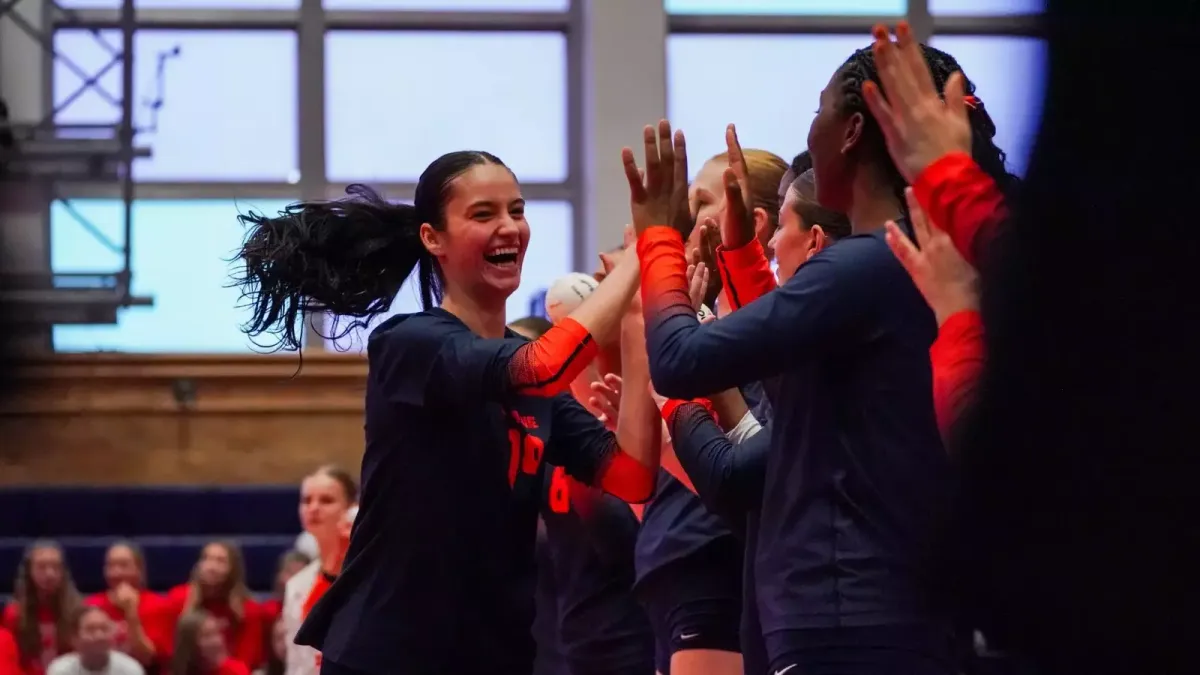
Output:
[[311, 21]]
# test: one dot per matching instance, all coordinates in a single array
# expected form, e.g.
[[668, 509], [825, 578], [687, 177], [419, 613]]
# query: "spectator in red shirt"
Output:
[[10, 657], [218, 587], [201, 647], [141, 619], [43, 606]]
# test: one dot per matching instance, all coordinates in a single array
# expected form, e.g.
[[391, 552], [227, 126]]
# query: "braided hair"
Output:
[[861, 67]]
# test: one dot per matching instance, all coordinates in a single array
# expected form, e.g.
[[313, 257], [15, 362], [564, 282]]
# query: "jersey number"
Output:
[[560, 491], [525, 454]]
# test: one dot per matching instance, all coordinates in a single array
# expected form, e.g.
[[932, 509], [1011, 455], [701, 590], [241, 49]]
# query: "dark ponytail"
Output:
[[861, 67], [347, 257]]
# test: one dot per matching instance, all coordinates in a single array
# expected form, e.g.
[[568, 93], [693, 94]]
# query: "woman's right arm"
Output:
[[432, 360]]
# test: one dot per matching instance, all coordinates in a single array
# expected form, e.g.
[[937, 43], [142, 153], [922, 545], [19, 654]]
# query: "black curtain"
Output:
[[1078, 508]]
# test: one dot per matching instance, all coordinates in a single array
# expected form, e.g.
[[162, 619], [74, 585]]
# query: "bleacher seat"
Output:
[[170, 523], [147, 511]]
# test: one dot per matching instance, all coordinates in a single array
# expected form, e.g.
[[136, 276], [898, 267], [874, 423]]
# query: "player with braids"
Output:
[[861, 68], [858, 482]]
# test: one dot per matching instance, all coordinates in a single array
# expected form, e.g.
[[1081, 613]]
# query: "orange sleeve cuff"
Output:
[[628, 479], [745, 273], [672, 405]]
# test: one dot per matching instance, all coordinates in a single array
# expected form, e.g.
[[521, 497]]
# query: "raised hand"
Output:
[[606, 402], [737, 218], [659, 195], [947, 281], [917, 124]]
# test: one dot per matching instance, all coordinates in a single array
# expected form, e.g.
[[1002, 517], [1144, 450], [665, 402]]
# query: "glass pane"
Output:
[[1010, 78], [182, 4], [781, 7], [180, 258], [551, 241], [514, 108], [454, 5], [986, 7], [228, 100], [777, 97]]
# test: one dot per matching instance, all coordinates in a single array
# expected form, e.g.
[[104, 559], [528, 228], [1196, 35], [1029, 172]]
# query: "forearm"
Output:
[[639, 425], [962, 200], [745, 273], [601, 314], [957, 357]]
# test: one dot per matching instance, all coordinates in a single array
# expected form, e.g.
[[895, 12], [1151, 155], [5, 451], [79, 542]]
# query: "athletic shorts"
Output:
[[696, 602]]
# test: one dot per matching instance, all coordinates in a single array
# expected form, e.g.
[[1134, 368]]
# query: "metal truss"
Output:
[[311, 23], [47, 153]]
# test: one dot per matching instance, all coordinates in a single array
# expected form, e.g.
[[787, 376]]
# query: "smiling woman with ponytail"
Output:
[[460, 413]]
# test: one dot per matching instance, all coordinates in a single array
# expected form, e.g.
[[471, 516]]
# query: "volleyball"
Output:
[[567, 293]]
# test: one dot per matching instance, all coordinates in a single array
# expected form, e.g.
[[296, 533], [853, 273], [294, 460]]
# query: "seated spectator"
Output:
[[218, 586], [94, 654], [141, 619], [200, 647], [44, 601]]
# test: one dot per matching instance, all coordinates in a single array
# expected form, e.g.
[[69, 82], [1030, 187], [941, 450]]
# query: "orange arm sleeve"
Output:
[[962, 200], [627, 479], [745, 273], [957, 356], [664, 274], [548, 365]]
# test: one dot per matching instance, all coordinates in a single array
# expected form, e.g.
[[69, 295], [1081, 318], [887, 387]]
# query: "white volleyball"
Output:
[[567, 293]]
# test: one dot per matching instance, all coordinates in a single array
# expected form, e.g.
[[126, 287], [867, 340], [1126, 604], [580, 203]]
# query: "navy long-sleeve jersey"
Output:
[[857, 481], [590, 539], [439, 577]]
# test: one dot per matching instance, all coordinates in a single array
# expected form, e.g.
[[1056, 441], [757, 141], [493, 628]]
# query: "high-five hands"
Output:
[[947, 281], [918, 126], [660, 197]]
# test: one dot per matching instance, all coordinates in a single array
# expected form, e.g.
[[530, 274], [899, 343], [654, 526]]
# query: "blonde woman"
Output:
[[327, 510]]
